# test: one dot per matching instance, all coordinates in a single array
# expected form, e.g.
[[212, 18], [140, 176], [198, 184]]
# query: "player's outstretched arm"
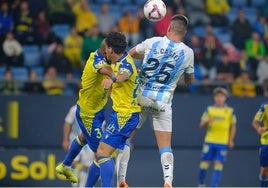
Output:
[[133, 53], [188, 79]]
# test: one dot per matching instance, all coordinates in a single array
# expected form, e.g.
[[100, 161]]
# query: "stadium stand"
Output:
[[31, 55]]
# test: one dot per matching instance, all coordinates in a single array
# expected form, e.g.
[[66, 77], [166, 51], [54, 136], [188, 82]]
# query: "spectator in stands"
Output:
[[197, 46], [129, 25], [105, 19], [72, 48], [262, 70], [161, 26], [59, 61], [217, 10], [91, 42], [175, 4], [84, 17], [256, 51], [12, 51], [33, 85], [264, 9], [59, 12], [24, 29], [8, 85], [265, 88], [196, 13], [225, 70], [244, 63], [52, 83], [261, 26], [6, 21], [42, 28], [243, 86], [212, 48], [241, 30], [144, 25]]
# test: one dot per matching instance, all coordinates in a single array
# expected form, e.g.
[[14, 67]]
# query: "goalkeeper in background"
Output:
[[220, 121], [260, 124]]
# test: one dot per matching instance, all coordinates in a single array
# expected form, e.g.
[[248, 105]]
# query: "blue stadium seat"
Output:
[[95, 8], [116, 15], [103, 1], [251, 14], [39, 70], [114, 8], [61, 30], [2, 72], [140, 2], [224, 37], [31, 55], [257, 3], [123, 2], [199, 31], [232, 15], [133, 8], [20, 73], [239, 3]]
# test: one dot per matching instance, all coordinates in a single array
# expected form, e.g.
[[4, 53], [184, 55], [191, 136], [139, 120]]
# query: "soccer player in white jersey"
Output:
[[84, 159], [165, 60]]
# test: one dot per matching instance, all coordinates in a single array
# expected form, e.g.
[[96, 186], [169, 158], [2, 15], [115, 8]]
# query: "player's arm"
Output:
[[232, 136], [66, 133], [106, 71], [188, 78], [257, 126], [133, 53], [107, 83]]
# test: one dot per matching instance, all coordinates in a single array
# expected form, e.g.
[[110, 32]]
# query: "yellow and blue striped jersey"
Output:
[[123, 94], [218, 130], [92, 96], [262, 116]]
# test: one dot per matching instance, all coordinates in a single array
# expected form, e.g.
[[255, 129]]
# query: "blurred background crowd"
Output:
[[45, 43]]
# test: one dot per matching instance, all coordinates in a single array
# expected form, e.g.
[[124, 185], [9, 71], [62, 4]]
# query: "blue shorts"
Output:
[[263, 156], [119, 129], [214, 152], [91, 127]]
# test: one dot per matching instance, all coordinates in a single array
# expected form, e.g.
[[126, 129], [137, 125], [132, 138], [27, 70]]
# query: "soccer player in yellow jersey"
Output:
[[90, 112], [260, 124], [220, 121], [125, 114]]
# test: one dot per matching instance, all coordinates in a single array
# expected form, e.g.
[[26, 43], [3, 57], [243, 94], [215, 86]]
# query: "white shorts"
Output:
[[159, 113], [85, 157]]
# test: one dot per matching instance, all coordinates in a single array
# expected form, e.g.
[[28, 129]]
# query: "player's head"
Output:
[[102, 48], [178, 24], [116, 44], [220, 95]]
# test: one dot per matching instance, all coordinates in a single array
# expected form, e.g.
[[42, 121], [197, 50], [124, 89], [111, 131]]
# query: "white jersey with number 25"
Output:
[[163, 64]]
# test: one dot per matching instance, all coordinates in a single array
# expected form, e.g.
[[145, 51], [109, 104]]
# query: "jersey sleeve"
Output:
[[233, 119], [145, 45], [70, 117], [126, 67], [204, 116], [190, 68], [99, 63], [260, 114]]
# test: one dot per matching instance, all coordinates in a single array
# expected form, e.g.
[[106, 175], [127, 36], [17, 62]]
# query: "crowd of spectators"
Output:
[[230, 47]]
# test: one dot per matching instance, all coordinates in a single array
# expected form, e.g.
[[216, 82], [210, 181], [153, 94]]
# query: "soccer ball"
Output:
[[154, 10]]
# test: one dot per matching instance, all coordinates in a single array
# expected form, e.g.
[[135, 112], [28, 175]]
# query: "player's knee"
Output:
[[218, 166], [204, 165]]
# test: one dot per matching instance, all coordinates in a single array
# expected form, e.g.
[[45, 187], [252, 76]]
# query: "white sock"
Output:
[[122, 164], [167, 161], [82, 178]]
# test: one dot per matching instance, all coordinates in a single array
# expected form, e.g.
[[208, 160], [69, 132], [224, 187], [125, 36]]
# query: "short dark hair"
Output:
[[183, 20], [117, 41]]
